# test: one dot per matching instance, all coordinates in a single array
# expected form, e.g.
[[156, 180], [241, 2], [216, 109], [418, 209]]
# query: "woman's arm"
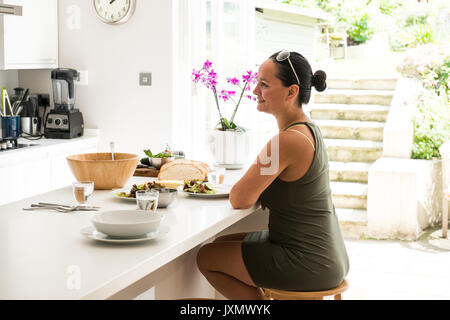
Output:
[[279, 153]]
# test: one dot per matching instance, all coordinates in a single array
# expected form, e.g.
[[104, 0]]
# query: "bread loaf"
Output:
[[183, 169], [171, 184], [186, 161]]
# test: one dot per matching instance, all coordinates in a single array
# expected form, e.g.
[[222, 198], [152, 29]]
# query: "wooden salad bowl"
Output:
[[106, 173]]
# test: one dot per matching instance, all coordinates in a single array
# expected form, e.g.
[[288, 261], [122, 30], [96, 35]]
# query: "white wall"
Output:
[[10, 80], [134, 117]]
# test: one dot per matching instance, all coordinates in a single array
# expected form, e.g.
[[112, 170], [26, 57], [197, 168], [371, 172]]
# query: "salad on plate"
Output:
[[198, 186], [136, 187]]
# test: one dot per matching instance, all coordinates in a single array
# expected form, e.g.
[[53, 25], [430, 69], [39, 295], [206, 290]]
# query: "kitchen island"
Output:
[[43, 255]]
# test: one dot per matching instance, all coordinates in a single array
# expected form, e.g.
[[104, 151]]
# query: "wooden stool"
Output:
[[274, 294]]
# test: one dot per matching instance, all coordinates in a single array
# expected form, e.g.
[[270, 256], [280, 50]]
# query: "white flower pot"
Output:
[[230, 149]]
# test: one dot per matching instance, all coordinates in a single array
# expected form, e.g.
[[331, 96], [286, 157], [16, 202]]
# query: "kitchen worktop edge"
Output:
[[44, 147]]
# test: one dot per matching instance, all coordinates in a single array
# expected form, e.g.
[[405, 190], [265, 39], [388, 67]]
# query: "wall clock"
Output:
[[114, 11]]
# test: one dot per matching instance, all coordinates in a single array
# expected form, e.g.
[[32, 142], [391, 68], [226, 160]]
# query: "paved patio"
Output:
[[378, 67], [399, 270]]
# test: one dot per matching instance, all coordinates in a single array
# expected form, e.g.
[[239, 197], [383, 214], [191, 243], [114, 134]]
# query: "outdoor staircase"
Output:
[[351, 115]]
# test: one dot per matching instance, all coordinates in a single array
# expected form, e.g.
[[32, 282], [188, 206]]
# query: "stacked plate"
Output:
[[125, 226]]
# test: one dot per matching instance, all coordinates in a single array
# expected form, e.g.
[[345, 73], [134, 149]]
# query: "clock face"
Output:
[[114, 11]]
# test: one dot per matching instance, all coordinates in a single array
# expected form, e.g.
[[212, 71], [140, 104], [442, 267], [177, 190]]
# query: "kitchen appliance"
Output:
[[30, 125], [30, 120], [43, 102], [64, 121]]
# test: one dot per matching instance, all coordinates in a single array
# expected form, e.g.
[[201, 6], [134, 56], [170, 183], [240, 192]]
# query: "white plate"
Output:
[[222, 191], [91, 233], [127, 190], [229, 166]]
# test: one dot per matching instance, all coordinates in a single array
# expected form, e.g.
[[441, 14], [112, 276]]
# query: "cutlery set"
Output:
[[60, 207], [15, 108]]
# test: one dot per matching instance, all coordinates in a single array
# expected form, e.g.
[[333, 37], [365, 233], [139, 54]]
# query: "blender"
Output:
[[64, 121]]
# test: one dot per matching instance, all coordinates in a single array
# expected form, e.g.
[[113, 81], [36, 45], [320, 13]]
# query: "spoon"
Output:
[[111, 145]]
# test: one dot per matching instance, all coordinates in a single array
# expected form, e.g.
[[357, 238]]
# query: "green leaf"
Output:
[[148, 153], [225, 122]]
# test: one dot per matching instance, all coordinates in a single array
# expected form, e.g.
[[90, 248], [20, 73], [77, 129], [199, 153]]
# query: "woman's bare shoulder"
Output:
[[289, 144]]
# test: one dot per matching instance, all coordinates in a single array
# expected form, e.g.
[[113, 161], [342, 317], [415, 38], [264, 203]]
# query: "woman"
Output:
[[303, 248]]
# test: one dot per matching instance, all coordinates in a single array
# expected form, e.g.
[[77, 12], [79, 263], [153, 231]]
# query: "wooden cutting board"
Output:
[[146, 172]]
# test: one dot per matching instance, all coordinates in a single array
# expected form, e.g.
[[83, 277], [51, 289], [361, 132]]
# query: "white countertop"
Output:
[[39, 250], [43, 146], [88, 134]]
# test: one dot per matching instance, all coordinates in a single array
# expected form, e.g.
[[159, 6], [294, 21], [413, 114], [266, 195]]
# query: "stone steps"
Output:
[[349, 150], [351, 115], [343, 96], [351, 129], [362, 84], [361, 112], [349, 195], [353, 222], [356, 216], [349, 171]]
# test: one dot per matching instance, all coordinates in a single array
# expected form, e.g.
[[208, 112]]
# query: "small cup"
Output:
[[82, 190], [216, 175], [10, 127], [147, 199]]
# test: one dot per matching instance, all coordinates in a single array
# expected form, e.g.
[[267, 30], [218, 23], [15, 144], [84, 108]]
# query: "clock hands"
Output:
[[114, 12]]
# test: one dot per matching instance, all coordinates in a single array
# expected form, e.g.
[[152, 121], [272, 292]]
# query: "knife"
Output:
[[61, 205], [61, 209], [25, 96], [19, 110]]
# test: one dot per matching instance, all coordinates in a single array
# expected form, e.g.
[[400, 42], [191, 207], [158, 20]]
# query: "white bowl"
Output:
[[158, 162], [126, 223]]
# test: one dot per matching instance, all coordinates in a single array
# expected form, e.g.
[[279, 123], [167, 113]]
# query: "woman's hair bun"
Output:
[[318, 80]]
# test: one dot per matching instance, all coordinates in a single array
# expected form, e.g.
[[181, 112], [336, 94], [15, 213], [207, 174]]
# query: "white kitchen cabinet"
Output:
[[24, 179], [30, 41], [61, 175], [28, 172]]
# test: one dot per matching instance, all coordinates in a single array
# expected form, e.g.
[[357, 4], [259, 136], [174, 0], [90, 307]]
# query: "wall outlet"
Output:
[[84, 78], [145, 79]]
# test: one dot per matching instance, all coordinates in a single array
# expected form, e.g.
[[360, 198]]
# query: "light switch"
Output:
[[145, 79]]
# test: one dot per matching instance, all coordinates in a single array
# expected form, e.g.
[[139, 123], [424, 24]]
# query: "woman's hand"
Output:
[[260, 202]]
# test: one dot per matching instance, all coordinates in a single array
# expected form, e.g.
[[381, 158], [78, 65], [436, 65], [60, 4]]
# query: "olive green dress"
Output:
[[303, 248]]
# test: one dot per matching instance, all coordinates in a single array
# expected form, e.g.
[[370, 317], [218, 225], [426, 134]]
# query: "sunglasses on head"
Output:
[[283, 55]]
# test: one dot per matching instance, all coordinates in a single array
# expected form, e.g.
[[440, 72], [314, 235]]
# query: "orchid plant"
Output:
[[209, 78]]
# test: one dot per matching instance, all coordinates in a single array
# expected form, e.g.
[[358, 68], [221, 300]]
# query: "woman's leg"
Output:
[[222, 265], [231, 237]]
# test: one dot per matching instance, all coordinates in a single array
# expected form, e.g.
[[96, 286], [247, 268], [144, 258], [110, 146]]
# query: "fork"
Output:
[[60, 208], [61, 205]]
